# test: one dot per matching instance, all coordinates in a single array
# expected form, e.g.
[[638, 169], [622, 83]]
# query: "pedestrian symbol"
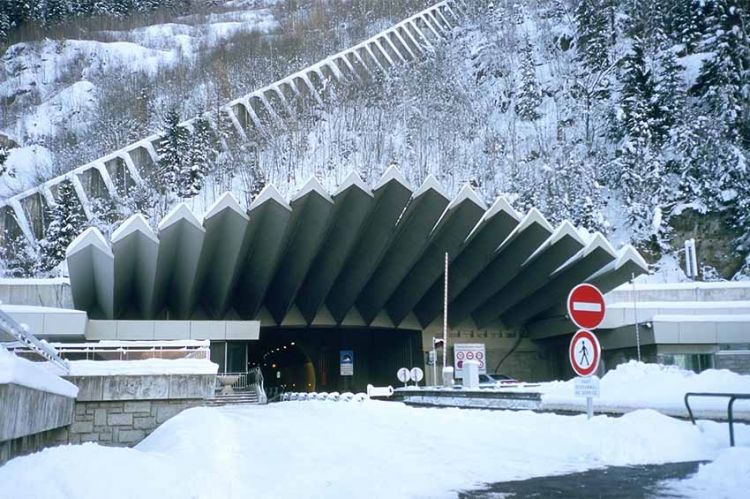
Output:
[[584, 353]]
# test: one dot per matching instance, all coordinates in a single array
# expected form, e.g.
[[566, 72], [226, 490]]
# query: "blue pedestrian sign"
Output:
[[346, 362]]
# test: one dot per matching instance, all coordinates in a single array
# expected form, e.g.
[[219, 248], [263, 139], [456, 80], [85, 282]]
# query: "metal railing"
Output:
[[251, 381], [730, 407], [24, 337], [123, 350]]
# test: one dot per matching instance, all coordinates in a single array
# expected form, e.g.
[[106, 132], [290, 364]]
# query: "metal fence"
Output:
[[26, 340]]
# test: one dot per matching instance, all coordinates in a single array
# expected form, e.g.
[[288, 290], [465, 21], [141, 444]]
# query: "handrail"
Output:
[[21, 333], [730, 407]]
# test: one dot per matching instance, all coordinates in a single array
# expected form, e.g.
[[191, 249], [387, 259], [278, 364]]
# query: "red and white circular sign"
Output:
[[584, 353], [586, 306]]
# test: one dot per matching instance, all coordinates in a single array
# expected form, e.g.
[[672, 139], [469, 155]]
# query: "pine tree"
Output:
[[17, 256], [593, 41], [4, 169], [198, 159], [173, 154], [66, 222], [724, 80], [669, 97], [637, 101], [529, 95]]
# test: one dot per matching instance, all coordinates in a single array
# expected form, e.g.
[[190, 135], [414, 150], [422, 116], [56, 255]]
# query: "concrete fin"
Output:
[[392, 173], [226, 201], [430, 183], [136, 223], [180, 212], [89, 237], [312, 185], [599, 241], [353, 179], [269, 193], [629, 253], [353, 318], [467, 194]]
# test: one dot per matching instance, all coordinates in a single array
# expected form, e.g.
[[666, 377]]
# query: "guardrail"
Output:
[[733, 397], [24, 337], [124, 350]]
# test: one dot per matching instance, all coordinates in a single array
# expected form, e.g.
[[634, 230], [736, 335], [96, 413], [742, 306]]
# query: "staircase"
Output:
[[237, 398]]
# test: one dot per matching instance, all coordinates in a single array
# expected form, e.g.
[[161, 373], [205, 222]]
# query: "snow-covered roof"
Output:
[[353, 179], [89, 237]]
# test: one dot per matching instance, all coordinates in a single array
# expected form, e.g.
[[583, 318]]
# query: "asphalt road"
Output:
[[615, 482]]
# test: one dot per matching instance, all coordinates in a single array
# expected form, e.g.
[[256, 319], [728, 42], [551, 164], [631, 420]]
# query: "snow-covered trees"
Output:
[[3, 158], [529, 97], [66, 221], [184, 156]]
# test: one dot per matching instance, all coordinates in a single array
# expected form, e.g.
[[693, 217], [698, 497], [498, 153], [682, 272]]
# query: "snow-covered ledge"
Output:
[[32, 401]]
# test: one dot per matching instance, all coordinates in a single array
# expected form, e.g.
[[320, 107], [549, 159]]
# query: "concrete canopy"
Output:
[[357, 257]]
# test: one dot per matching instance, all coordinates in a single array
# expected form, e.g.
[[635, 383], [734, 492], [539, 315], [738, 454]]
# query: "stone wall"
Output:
[[120, 423], [737, 361]]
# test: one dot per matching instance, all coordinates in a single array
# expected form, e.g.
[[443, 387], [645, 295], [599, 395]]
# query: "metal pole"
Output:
[[589, 407], [434, 363], [635, 316], [445, 313]]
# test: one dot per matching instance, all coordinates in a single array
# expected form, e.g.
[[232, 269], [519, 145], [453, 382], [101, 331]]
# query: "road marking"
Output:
[[583, 306]]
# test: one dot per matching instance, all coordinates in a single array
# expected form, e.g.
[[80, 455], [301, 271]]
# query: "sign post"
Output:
[[403, 375], [586, 309], [463, 352], [585, 353], [346, 362], [586, 306]]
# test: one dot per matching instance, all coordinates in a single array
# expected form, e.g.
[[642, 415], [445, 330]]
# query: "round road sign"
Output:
[[403, 375], [417, 374], [586, 306], [584, 353]]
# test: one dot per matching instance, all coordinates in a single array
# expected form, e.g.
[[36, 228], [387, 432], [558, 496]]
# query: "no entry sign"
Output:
[[585, 353], [586, 306]]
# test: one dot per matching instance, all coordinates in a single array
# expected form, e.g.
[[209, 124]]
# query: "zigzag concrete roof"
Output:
[[354, 257]]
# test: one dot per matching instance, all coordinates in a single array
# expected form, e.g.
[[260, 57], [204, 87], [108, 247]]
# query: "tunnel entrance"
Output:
[[309, 359]]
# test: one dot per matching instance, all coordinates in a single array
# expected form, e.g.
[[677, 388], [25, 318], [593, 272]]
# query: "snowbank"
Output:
[[726, 477], [142, 367], [637, 385], [19, 371], [372, 449]]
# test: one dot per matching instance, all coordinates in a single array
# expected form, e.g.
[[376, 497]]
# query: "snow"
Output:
[[635, 385], [726, 477], [136, 223], [141, 367], [335, 450], [23, 372], [28, 164]]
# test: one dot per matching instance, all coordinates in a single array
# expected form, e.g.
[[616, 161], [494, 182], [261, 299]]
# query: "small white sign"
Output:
[[403, 375], [417, 374], [587, 386]]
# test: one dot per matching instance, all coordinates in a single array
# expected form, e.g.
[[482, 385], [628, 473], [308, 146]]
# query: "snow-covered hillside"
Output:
[[624, 117]]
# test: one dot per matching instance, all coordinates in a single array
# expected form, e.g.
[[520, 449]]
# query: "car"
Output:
[[495, 380]]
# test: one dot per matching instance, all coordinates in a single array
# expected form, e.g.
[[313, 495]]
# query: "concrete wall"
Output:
[[30, 419], [25, 411], [39, 292], [734, 360], [528, 361], [110, 410], [153, 387]]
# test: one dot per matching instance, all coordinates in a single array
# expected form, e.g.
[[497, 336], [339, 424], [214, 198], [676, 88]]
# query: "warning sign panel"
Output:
[[463, 352]]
